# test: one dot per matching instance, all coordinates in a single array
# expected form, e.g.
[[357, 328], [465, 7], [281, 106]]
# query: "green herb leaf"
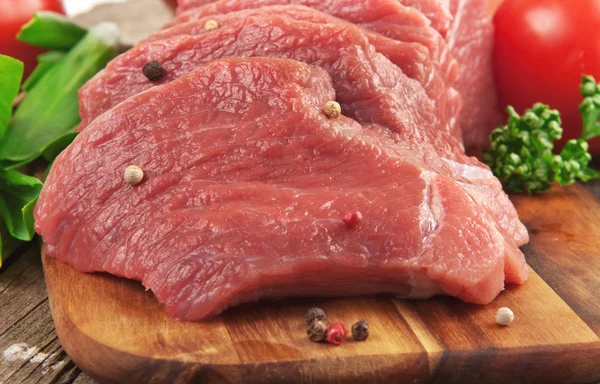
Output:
[[18, 194], [50, 109], [11, 73], [590, 108], [51, 30], [45, 62], [574, 163], [521, 151]]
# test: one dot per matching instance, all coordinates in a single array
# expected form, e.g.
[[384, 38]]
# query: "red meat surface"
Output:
[[387, 17], [412, 57], [471, 39], [369, 87], [466, 25], [246, 184]]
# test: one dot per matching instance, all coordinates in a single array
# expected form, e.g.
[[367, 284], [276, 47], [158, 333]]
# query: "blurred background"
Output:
[[74, 7]]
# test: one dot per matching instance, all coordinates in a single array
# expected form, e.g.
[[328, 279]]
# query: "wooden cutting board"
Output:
[[117, 332]]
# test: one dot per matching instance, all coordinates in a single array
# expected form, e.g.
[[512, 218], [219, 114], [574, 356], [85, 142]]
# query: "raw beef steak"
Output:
[[246, 183], [412, 58], [369, 87], [440, 16], [257, 36], [471, 39], [466, 24], [387, 17]]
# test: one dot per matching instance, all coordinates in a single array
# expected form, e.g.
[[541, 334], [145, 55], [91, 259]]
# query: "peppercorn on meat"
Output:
[[246, 184]]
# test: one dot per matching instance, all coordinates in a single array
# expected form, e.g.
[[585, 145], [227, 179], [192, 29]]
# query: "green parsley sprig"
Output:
[[43, 123], [521, 153]]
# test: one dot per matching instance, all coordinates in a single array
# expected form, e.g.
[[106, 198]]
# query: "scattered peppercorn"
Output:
[[504, 316], [211, 25], [360, 330], [317, 331], [133, 175], [153, 71], [336, 333], [315, 314], [332, 109], [351, 219]]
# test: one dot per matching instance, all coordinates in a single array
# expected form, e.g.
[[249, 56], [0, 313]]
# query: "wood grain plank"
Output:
[[30, 351], [573, 363], [543, 338], [144, 336], [28, 290], [84, 379], [565, 248], [276, 335]]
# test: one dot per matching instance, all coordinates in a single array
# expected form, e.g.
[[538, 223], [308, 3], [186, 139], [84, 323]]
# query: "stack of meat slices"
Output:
[[248, 179]]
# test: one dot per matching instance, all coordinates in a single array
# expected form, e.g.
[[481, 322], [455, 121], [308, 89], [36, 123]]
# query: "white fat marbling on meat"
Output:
[[456, 23], [431, 212], [469, 171]]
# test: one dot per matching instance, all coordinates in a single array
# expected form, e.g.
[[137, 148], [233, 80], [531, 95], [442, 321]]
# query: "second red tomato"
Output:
[[15, 13], [542, 47]]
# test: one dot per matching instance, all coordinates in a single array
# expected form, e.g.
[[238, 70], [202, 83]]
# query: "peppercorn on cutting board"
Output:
[[117, 332]]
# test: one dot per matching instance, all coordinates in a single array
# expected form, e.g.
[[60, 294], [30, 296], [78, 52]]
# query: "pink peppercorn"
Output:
[[351, 219], [336, 333]]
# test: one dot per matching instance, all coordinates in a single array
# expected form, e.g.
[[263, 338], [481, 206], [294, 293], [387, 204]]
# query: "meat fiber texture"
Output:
[[386, 17], [471, 39], [466, 25], [439, 16], [470, 36], [412, 57], [361, 76], [438, 11], [416, 31], [246, 183]]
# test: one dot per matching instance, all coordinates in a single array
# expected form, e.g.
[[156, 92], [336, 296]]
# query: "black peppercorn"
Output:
[[153, 71], [360, 330], [317, 331], [315, 314]]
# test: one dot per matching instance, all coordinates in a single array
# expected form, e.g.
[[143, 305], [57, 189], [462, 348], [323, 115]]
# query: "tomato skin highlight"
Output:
[[15, 13], [542, 48]]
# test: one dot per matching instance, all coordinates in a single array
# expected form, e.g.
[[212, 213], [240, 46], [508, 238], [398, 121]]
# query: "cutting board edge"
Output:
[[107, 364]]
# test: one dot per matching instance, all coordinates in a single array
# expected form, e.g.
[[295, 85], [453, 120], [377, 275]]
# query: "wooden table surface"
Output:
[[31, 350]]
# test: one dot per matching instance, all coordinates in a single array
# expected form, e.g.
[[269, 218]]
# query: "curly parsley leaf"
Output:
[[521, 153]]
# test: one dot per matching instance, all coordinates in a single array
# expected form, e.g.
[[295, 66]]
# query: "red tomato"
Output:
[[542, 47], [15, 13]]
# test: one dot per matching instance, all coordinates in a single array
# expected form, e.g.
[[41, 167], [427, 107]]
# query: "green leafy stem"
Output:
[[521, 153]]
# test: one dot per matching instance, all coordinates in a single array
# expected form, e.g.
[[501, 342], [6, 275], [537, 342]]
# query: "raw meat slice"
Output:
[[471, 39], [246, 182], [369, 87], [412, 58], [440, 16], [387, 17], [254, 36]]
